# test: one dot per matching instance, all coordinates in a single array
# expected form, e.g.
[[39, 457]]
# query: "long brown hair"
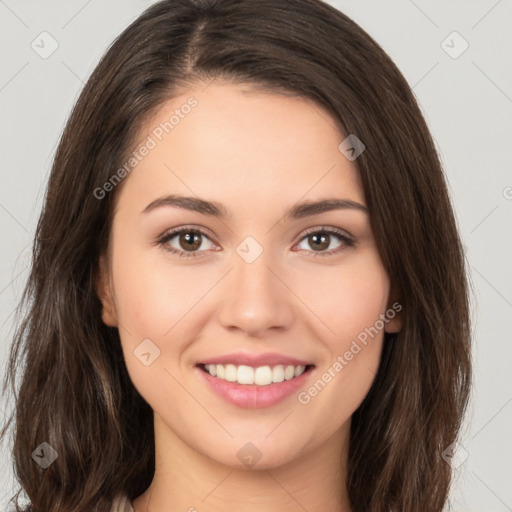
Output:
[[75, 392]]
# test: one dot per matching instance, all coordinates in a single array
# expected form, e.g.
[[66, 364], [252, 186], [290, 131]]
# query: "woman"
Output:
[[248, 291]]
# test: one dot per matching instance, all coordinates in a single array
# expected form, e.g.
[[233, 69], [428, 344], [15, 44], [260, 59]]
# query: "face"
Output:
[[260, 306]]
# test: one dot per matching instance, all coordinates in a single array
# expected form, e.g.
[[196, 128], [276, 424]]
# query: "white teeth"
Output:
[[263, 376], [299, 370], [260, 376], [278, 373], [289, 372], [230, 374], [245, 375]]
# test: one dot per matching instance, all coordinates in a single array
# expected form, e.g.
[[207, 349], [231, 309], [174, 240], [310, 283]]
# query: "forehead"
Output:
[[233, 144]]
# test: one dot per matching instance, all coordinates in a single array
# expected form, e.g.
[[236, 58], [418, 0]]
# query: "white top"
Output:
[[121, 503]]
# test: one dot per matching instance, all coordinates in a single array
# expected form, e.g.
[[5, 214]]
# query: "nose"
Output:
[[257, 298]]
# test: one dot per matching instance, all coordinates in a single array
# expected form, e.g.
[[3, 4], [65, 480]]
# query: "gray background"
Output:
[[466, 99]]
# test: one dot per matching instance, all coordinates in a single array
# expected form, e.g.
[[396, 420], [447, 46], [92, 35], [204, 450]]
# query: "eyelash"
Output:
[[347, 241]]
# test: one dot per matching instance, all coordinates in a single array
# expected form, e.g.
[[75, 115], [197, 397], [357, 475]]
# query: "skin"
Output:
[[257, 153]]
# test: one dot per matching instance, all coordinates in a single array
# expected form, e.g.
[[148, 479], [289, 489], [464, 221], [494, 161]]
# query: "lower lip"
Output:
[[251, 396]]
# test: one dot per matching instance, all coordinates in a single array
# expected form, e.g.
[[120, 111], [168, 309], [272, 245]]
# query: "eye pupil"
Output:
[[192, 240], [322, 239]]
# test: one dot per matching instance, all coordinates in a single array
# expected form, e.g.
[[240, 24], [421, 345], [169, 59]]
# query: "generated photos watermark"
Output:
[[156, 136], [357, 345]]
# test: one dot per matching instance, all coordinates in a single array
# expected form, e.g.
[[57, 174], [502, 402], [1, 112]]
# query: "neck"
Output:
[[186, 480]]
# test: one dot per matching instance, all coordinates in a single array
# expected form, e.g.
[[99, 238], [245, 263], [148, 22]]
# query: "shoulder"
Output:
[[121, 503]]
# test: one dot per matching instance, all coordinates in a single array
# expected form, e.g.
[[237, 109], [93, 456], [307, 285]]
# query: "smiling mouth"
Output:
[[258, 376]]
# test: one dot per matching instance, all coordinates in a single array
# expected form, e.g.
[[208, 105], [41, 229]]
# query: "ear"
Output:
[[394, 312], [104, 291]]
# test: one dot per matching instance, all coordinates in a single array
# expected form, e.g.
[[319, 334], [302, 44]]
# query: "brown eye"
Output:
[[320, 240], [186, 242], [190, 241]]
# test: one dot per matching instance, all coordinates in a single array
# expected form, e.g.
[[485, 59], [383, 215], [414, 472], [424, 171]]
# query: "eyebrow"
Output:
[[217, 210]]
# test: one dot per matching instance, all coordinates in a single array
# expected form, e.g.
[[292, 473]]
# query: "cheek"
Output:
[[346, 300], [153, 295], [362, 298], [350, 303], [152, 299]]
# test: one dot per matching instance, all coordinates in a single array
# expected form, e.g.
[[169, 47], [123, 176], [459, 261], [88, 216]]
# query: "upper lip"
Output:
[[256, 360]]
